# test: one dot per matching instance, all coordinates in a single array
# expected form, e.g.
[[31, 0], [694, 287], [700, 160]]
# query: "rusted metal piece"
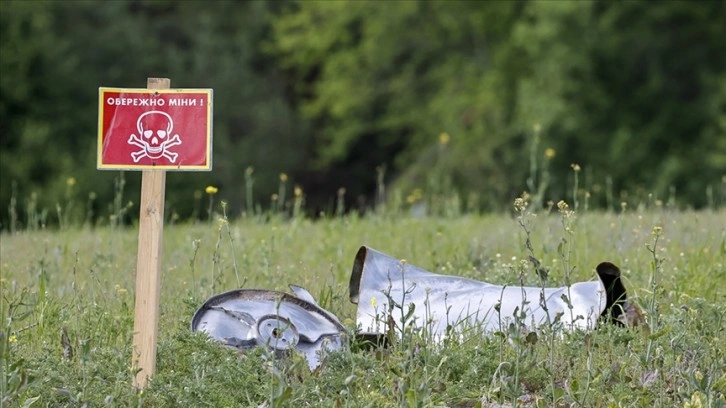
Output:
[[281, 322], [389, 291]]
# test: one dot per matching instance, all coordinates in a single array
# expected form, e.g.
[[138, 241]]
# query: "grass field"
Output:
[[68, 299]]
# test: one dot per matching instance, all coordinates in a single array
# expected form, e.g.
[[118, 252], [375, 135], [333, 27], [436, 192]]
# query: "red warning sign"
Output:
[[166, 129]]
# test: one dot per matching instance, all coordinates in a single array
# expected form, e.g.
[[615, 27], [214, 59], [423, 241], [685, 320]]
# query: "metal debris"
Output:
[[392, 294], [247, 318], [384, 287]]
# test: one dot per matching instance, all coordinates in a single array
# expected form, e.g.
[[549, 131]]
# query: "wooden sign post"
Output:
[[154, 130], [148, 265]]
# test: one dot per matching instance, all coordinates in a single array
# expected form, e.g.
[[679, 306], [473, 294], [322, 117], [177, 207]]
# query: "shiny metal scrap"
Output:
[[384, 286], [247, 318], [386, 289]]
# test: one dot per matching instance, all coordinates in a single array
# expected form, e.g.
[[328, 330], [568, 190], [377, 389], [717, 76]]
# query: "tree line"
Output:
[[338, 98]]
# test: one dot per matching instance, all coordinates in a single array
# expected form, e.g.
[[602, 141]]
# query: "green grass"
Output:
[[78, 284]]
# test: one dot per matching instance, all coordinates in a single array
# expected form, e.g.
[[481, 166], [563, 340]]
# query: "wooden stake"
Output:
[[148, 265]]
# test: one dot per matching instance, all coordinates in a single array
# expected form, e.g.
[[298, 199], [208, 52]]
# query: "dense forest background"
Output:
[[480, 99]]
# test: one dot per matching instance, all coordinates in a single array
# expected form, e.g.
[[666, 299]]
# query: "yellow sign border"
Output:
[[99, 159]]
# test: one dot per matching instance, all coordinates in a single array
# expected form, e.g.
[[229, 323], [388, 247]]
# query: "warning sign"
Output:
[[165, 129]]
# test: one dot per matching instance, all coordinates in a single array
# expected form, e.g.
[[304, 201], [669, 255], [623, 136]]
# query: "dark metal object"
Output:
[[389, 290], [247, 318]]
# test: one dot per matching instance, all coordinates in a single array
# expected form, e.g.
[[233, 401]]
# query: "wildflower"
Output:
[[373, 301], [92, 195], [211, 190], [549, 152], [657, 230], [71, 181], [274, 197], [520, 204], [416, 195], [562, 205], [537, 128], [575, 167], [13, 339], [283, 177], [298, 191], [444, 138], [249, 170]]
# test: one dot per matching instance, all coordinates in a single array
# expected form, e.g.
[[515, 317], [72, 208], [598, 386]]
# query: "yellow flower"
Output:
[[298, 191], [211, 190], [283, 177], [549, 152], [373, 301], [444, 138], [575, 167], [13, 339], [71, 181], [520, 204]]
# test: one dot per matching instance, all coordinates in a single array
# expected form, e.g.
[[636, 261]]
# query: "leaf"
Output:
[[660, 333], [574, 386], [411, 309], [30, 401], [411, 398], [284, 396]]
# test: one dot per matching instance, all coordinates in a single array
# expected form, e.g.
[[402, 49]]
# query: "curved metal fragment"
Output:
[[247, 318], [388, 290]]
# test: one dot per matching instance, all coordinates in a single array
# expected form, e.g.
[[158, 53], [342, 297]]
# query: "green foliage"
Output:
[[610, 86], [67, 312], [328, 92], [57, 54]]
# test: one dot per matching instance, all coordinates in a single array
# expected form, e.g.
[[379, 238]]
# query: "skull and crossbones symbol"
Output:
[[154, 138]]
